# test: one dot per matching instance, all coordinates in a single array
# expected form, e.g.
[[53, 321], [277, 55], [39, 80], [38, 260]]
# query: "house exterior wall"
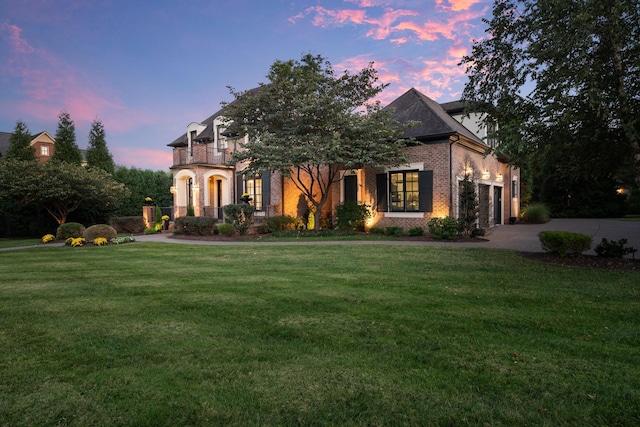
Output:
[[447, 160]]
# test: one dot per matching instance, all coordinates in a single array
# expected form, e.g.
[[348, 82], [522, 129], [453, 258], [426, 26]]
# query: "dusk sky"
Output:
[[149, 68]]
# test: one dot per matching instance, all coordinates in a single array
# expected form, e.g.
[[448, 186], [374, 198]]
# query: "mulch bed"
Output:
[[585, 261]]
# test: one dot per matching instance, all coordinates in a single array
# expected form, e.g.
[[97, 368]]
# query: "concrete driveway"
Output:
[[524, 237]]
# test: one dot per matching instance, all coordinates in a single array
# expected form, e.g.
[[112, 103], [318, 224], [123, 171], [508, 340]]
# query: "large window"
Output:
[[254, 189], [403, 187], [404, 191]]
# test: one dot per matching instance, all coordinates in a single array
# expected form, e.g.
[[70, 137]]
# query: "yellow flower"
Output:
[[100, 241], [165, 217], [48, 238], [148, 199], [75, 242]]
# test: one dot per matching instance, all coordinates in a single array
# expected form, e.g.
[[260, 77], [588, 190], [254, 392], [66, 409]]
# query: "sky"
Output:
[[147, 69]]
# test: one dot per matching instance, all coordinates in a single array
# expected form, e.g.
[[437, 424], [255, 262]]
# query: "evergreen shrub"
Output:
[[99, 230], [128, 224], [446, 228], [612, 249], [564, 243], [195, 225], [226, 229], [394, 231], [69, 229], [416, 231], [352, 215], [277, 223], [536, 213]]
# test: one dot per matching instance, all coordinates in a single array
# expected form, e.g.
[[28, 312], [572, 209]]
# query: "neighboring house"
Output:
[[443, 151], [42, 143]]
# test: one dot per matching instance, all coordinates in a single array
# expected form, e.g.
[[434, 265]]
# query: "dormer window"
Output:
[[44, 150]]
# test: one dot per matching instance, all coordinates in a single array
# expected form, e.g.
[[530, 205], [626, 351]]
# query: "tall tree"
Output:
[[20, 144], [59, 187], [560, 79], [98, 155], [66, 149], [308, 123]]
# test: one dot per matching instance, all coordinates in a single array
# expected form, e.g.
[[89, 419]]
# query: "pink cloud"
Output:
[[326, 17], [153, 159], [457, 5], [47, 85]]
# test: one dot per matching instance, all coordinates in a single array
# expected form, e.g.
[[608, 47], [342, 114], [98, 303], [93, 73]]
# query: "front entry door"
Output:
[[497, 205]]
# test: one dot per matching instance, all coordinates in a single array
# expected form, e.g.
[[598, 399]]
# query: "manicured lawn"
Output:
[[12, 243], [169, 335]]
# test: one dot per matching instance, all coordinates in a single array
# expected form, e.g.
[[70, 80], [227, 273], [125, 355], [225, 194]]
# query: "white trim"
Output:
[[404, 214]]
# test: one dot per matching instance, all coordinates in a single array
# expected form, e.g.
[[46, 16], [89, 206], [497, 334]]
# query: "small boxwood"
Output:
[[565, 243], [394, 231], [416, 231], [226, 229]]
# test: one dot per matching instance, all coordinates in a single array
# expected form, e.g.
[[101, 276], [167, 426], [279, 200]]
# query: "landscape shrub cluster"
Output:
[[614, 249], [128, 224], [565, 243], [195, 225], [69, 229]]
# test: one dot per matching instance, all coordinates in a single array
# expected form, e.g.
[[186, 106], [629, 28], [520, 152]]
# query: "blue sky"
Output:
[[149, 68]]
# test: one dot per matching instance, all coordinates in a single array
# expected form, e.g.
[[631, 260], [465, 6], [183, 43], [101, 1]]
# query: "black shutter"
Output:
[[239, 187], [425, 188], [266, 190], [381, 192], [350, 188]]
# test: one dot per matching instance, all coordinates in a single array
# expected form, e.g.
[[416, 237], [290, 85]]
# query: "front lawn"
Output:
[[161, 334]]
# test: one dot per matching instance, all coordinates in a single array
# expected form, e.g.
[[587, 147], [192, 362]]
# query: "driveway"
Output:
[[520, 237]]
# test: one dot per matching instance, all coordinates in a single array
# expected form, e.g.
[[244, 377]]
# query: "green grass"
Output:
[[12, 243], [161, 334]]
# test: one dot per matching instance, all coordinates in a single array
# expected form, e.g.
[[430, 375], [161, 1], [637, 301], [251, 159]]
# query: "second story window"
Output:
[[44, 150]]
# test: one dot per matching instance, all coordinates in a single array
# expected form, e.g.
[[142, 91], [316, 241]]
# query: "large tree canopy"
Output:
[[308, 123], [59, 187], [560, 77]]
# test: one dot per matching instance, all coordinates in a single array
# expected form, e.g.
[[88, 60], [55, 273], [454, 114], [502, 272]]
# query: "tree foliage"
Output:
[[66, 149], [142, 184], [560, 77], [59, 187], [97, 152], [308, 123], [20, 144]]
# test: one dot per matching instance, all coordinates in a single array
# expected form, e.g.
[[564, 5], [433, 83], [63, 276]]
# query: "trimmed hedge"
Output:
[[195, 225], [564, 243]]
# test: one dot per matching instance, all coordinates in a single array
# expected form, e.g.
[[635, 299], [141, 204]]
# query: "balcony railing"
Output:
[[200, 154]]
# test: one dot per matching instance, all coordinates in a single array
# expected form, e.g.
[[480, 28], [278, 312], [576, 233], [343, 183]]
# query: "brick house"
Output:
[[447, 145], [43, 145]]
